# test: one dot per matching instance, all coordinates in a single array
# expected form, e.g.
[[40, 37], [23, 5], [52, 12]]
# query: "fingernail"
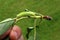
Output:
[[16, 34]]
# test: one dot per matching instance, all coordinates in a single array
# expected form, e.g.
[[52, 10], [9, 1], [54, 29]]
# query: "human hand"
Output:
[[14, 33]]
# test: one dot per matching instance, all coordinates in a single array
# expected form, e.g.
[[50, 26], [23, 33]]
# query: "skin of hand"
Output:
[[14, 33]]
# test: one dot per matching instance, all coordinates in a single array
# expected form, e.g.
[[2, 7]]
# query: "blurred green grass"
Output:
[[48, 30]]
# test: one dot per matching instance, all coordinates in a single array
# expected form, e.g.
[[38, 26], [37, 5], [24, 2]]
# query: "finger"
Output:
[[21, 38], [15, 33]]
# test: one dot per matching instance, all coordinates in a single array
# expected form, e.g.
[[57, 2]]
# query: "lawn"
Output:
[[48, 30]]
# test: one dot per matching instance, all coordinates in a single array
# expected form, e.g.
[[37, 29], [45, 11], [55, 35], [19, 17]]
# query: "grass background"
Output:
[[48, 30]]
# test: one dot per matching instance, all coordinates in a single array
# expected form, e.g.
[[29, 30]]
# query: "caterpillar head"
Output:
[[47, 17]]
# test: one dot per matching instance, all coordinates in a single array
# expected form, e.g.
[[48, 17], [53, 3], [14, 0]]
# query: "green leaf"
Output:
[[5, 25]]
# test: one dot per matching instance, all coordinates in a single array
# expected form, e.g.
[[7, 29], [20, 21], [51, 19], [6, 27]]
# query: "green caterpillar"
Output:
[[26, 14]]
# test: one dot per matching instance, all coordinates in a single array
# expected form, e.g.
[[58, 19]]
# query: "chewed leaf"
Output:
[[31, 38], [31, 35], [5, 25]]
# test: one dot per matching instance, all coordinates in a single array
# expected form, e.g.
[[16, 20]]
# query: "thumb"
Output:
[[16, 33]]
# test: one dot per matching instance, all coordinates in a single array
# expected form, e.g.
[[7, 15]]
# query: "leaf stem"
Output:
[[17, 19], [35, 29], [35, 17]]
